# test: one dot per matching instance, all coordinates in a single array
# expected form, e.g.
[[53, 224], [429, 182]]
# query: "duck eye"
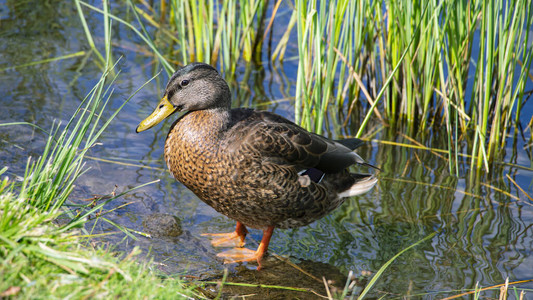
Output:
[[184, 82]]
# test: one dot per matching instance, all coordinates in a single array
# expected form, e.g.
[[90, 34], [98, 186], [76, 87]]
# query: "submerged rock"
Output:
[[162, 225]]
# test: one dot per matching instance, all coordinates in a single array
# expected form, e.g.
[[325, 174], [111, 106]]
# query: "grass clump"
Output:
[[39, 261]]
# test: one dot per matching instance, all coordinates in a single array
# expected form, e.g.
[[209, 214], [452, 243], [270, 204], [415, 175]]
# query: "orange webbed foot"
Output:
[[236, 255], [232, 239], [242, 254]]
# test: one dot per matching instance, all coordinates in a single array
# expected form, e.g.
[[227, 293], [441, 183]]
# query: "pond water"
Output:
[[485, 232]]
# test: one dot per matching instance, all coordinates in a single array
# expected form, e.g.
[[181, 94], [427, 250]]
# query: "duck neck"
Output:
[[215, 120], [201, 127]]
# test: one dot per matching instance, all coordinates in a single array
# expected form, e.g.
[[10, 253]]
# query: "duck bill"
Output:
[[163, 110]]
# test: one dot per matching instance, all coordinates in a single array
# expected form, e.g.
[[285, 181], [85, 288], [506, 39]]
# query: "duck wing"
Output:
[[277, 140]]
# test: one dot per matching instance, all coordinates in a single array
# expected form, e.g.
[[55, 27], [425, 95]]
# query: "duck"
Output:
[[255, 167]]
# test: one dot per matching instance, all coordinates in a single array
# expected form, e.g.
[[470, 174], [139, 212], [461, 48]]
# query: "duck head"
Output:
[[196, 86]]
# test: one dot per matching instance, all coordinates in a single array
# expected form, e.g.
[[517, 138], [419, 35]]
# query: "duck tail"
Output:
[[362, 184]]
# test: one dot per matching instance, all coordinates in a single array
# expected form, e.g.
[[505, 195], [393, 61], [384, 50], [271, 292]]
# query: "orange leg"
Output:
[[243, 254], [232, 239]]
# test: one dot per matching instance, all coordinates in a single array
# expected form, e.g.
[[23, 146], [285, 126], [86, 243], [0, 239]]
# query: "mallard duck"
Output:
[[255, 167]]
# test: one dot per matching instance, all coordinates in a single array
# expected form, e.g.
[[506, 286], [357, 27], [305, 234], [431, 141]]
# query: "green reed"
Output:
[[496, 91], [430, 88], [330, 39], [218, 32]]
